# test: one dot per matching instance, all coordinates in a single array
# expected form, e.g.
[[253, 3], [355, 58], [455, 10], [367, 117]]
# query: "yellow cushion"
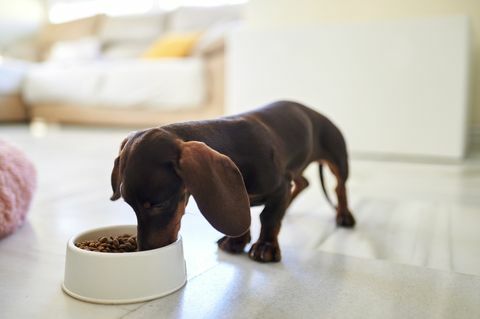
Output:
[[172, 46]]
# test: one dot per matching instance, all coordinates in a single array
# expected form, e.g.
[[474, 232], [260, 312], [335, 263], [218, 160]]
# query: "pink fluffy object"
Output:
[[17, 184]]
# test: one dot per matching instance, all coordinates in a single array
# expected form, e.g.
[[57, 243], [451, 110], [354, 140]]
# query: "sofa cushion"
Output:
[[162, 84], [75, 50], [138, 28], [124, 50], [174, 45], [67, 31], [62, 83], [201, 18]]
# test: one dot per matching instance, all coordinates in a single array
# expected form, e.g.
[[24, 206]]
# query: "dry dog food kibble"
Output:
[[119, 244]]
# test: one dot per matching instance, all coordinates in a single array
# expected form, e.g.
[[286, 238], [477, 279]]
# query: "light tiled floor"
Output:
[[417, 238]]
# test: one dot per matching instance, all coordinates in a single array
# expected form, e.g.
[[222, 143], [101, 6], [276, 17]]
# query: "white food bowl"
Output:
[[114, 278]]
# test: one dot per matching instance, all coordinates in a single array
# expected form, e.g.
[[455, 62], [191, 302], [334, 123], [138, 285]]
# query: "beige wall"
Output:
[[271, 13], [19, 18]]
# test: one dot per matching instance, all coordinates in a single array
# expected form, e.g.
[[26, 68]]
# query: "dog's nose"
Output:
[[140, 244], [143, 244]]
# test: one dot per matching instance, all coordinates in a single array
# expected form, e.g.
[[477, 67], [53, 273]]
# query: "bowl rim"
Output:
[[71, 245]]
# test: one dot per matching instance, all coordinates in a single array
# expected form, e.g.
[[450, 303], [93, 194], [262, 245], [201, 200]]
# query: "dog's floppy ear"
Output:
[[116, 178], [217, 186]]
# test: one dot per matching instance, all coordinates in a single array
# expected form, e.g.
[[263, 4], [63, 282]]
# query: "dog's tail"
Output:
[[322, 181]]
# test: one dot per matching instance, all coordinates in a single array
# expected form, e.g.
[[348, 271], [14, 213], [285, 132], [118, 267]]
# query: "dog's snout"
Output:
[[146, 244], [151, 237]]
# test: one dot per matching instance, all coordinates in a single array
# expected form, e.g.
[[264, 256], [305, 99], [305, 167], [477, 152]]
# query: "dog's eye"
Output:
[[160, 205], [148, 205]]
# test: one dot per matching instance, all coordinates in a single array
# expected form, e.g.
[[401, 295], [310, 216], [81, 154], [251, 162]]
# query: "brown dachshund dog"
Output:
[[228, 164]]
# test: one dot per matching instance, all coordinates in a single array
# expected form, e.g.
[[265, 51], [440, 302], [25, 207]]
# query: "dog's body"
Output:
[[229, 164]]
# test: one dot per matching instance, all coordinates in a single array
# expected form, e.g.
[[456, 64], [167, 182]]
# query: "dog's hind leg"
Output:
[[299, 184], [344, 217]]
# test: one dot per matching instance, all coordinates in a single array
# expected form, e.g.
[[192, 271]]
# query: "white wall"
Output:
[[276, 13], [392, 87]]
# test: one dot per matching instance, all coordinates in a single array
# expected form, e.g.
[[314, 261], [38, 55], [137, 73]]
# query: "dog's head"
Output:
[[155, 173]]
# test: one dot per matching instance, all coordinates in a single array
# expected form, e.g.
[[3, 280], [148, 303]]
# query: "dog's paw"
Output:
[[265, 252], [345, 219], [234, 245]]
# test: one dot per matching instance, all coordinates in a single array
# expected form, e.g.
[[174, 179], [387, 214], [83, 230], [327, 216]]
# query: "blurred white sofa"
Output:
[[92, 71], [12, 74]]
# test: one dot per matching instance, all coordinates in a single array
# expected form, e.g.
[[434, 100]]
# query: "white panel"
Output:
[[392, 87]]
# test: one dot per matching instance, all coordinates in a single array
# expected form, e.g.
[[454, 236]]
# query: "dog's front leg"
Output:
[[234, 245], [266, 249]]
